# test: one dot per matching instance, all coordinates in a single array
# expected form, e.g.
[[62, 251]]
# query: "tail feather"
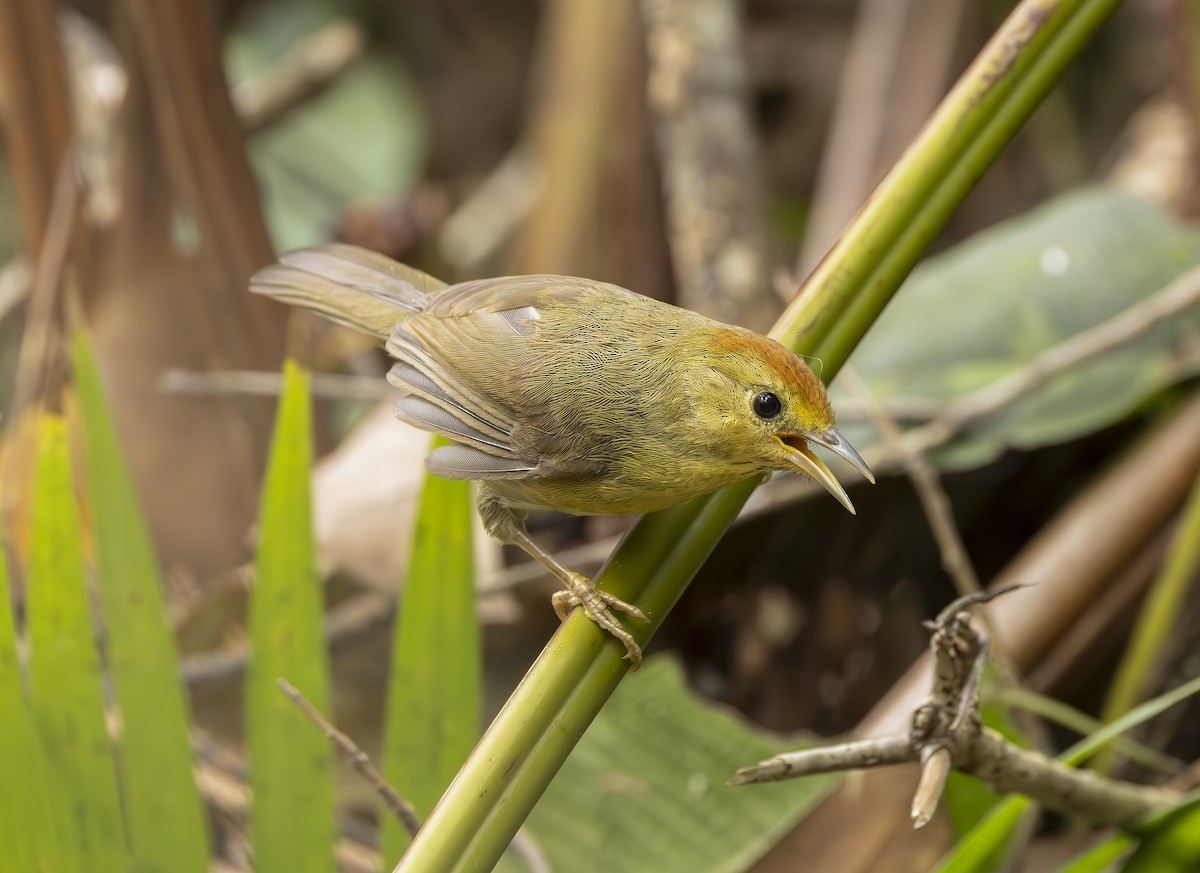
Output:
[[350, 285]]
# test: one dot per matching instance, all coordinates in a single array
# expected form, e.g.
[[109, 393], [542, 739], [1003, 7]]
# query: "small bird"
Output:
[[573, 395]]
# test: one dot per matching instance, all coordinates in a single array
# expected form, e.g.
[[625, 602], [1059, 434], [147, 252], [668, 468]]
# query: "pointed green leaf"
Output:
[[1102, 858], [434, 700], [292, 818], [64, 668], [163, 810], [27, 837]]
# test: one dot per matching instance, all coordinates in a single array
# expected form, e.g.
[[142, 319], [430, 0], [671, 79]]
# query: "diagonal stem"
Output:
[[536, 730]]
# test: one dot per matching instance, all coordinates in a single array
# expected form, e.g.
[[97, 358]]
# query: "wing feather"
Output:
[[347, 284], [464, 462]]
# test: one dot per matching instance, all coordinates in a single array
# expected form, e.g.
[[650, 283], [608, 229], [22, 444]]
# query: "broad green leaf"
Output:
[[163, 811], [27, 838], [647, 787], [989, 306], [64, 669], [435, 686], [292, 817]]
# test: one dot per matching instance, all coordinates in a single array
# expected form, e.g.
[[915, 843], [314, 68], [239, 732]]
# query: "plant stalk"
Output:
[[565, 688]]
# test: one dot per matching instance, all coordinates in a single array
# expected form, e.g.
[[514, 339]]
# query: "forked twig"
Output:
[[946, 733]]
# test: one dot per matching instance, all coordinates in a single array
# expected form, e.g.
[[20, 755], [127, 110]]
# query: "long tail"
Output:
[[350, 285]]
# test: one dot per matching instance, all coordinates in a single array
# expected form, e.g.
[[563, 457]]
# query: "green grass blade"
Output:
[[64, 670], [292, 817], [163, 810], [1102, 858], [986, 846], [1158, 616], [27, 837], [434, 698], [1171, 844]]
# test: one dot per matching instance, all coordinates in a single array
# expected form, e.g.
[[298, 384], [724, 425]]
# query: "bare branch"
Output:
[[829, 759], [946, 733], [926, 481], [398, 806], [263, 383]]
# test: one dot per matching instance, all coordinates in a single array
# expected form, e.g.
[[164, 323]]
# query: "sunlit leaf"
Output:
[[163, 810], [434, 696], [64, 670], [27, 839], [292, 817]]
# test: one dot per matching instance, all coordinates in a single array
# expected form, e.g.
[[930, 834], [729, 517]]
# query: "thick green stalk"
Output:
[[580, 668]]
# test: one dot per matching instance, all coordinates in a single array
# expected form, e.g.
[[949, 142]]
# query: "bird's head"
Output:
[[767, 408]]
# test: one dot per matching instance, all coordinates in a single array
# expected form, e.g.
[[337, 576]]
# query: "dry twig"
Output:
[[522, 844], [263, 383], [926, 482], [396, 804], [946, 732]]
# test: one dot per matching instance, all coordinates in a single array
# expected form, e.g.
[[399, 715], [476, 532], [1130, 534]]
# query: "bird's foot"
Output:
[[598, 606]]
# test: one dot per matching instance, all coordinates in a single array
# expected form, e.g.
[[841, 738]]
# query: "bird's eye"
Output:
[[767, 405]]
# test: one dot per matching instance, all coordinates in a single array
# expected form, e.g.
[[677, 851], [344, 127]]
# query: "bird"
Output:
[[575, 395]]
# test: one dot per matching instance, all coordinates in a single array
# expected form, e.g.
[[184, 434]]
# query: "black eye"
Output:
[[767, 405]]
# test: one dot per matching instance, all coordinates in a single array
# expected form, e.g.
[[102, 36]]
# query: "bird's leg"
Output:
[[508, 525]]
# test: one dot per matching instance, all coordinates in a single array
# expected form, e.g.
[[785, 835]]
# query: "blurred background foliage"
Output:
[[1043, 357]]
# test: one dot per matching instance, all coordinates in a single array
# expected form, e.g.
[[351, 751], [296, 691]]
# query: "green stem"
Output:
[[1159, 614], [580, 668]]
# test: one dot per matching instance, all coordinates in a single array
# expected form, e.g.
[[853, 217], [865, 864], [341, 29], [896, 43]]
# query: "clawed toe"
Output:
[[598, 605]]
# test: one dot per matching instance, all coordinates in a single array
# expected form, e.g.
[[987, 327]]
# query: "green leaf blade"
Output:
[[435, 686], [292, 817], [27, 837], [163, 810], [64, 670]]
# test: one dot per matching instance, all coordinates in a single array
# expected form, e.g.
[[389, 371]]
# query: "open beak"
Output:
[[806, 460]]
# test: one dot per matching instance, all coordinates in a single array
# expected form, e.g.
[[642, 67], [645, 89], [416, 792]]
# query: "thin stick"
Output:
[[399, 807], [925, 480], [262, 383]]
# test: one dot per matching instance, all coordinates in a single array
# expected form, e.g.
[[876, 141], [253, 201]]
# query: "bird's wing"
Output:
[[514, 293], [463, 363], [350, 285], [434, 399]]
